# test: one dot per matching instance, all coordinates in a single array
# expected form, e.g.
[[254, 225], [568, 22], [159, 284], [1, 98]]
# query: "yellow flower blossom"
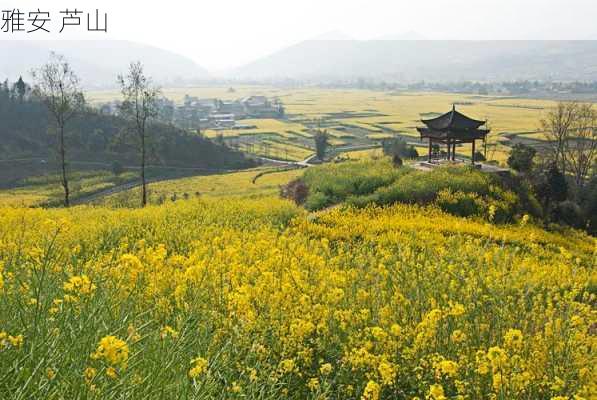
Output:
[[372, 391], [112, 350], [199, 366]]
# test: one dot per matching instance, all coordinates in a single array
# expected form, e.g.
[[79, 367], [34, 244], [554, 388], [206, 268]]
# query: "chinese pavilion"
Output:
[[453, 128]]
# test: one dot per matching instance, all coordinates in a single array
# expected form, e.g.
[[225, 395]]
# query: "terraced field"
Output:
[[364, 118]]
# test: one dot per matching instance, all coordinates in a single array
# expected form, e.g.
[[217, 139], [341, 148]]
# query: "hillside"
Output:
[[256, 299], [98, 63], [428, 60], [96, 139]]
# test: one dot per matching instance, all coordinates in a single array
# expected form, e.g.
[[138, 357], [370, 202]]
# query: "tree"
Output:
[[139, 106], [521, 158], [58, 87], [557, 127], [551, 186], [580, 147], [20, 88], [397, 161], [321, 143]]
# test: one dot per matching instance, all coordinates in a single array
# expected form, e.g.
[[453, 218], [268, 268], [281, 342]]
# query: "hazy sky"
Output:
[[221, 34]]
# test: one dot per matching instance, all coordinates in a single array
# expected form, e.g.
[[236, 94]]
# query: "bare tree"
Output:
[[557, 126], [581, 145], [139, 106], [58, 86]]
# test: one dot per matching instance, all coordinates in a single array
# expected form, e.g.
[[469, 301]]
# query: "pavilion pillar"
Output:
[[454, 151], [473, 153], [429, 154], [448, 154]]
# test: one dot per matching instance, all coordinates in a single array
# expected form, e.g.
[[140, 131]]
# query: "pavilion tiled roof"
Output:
[[452, 120]]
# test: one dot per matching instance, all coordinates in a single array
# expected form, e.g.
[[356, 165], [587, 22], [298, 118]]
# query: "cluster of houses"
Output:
[[199, 113]]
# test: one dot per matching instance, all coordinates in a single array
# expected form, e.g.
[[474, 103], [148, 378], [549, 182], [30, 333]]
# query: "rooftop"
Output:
[[453, 120]]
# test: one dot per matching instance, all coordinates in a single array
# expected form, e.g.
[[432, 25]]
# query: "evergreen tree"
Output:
[[321, 143], [20, 88]]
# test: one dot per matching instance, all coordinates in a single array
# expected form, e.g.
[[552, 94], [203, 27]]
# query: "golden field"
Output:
[[367, 116], [224, 298]]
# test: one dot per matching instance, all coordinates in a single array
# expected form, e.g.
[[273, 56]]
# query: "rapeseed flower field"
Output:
[[256, 299]]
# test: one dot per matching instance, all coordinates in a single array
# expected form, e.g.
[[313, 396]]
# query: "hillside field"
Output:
[[223, 298]]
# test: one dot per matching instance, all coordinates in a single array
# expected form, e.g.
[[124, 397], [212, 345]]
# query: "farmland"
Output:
[[375, 289], [356, 120], [253, 183], [361, 118], [210, 298]]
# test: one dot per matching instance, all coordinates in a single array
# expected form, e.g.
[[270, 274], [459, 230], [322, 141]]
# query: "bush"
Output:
[[318, 201], [588, 204], [461, 191], [296, 190], [339, 181], [521, 158], [568, 213], [460, 203], [412, 152]]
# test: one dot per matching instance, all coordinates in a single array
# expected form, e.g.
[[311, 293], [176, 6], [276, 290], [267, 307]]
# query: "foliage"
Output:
[[255, 299], [92, 136], [296, 190], [521, 158], [463, 191], [588, 204], [336, 182], [551, 185], [569, 213], [399, 147], [321, 139]]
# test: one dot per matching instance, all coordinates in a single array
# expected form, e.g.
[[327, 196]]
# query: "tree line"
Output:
[[563, 172]]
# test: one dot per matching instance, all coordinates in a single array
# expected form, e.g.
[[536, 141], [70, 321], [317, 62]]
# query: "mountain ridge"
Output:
[[98, 62], [430, 60]]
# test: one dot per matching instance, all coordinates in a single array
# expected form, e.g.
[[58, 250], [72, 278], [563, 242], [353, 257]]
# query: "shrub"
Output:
[[339, 181], [569, 213], [462, 191], [318, 201], [521, 158], [460, 203], [296, 190]]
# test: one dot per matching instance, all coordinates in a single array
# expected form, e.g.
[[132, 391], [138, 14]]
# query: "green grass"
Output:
[[47, 189], [257, 182]]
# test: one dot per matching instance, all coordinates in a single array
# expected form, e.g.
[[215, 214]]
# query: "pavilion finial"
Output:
[[453, 106]]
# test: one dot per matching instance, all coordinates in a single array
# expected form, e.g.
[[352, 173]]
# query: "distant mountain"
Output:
[[431, 60], [333, 35], [410, 35], [98, 62]]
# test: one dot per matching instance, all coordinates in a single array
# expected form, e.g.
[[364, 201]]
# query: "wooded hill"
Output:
[[26, 131]]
